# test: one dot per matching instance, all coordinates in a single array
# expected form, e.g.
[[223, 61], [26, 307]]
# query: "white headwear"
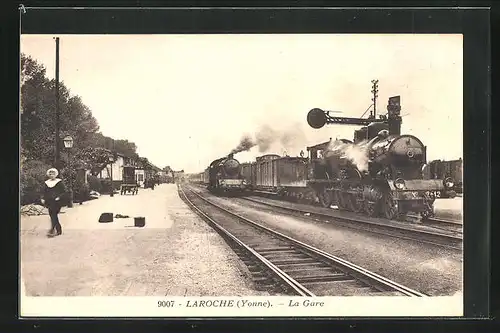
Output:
[[53, 170]]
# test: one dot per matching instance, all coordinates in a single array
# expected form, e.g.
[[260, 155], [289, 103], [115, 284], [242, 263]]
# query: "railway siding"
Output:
[[298, 267], [397, 259]]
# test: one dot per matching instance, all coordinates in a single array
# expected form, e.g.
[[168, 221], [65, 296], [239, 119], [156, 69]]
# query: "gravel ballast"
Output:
[[429, 269]]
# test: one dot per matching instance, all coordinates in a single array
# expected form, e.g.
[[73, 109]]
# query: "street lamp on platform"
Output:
[[68, 144], [111, 160]]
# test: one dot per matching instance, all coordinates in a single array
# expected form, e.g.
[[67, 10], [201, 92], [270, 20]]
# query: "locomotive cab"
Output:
[[318, 168]]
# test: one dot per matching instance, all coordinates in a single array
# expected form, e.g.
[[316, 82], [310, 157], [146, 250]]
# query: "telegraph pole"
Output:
[[56, 157], [374, 99]]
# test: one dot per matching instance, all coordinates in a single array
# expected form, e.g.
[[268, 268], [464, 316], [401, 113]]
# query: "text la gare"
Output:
[[306, 303]]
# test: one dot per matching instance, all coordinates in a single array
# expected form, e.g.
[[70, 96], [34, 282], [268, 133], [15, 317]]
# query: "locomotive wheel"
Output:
[[355, 204], [300, 198], [343, 200], [335, 198], [390, 210], [371, 208], [340, 201], [325, 198]]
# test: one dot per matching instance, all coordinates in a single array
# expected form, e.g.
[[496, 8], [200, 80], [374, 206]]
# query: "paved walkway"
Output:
[[147, 203], [175, 254]]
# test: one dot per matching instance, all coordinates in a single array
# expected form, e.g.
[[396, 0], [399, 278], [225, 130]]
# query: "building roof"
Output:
[[319, 146]]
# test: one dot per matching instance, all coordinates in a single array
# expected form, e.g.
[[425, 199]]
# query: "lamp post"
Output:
[[111, 160], [56, 152], [68, 144]]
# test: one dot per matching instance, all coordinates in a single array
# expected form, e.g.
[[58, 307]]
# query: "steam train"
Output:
[[379, 173], [224, 176]]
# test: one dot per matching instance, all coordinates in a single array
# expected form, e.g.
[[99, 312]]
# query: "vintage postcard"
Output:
[[235, 175]]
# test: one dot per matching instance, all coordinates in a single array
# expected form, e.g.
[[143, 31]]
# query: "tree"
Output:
[[38, 118], [118, 146], [126, 148], [91, 148], [36, 131], [94, 159], [77, 113]]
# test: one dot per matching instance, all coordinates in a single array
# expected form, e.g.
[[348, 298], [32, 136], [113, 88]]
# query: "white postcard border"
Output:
[[273, 306]]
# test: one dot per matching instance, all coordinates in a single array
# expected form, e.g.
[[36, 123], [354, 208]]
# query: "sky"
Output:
[[186, 100]]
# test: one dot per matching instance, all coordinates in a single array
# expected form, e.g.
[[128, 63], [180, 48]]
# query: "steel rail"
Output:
[[285, 278], [447, 237], [368, 277]]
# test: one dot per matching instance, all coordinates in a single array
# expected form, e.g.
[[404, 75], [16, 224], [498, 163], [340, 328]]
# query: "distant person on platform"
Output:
[[53, 193]]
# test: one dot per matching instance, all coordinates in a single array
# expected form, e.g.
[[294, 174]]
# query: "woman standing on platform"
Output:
[[53, 193]]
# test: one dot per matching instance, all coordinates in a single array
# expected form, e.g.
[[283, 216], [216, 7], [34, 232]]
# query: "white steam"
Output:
[[356, 153]]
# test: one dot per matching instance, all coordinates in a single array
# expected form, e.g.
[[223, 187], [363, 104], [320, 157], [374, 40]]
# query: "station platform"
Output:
[[174, 254], [451, 209]]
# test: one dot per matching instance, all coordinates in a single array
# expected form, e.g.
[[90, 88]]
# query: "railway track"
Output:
[[286, 265], [439, 223], [442, 237]]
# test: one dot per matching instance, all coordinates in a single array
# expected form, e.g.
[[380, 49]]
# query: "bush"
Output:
[[81, 192], [33, 174], [105, 186], [94, 183]]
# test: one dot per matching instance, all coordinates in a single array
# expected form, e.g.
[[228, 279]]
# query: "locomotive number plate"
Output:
[[433, 194]]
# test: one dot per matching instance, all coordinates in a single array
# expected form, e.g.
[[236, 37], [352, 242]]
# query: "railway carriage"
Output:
[[283, 176], [202, 178], [248, 174], [439, 169]]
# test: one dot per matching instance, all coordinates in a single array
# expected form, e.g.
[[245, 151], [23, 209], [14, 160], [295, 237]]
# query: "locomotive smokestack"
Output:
[[394, 115]]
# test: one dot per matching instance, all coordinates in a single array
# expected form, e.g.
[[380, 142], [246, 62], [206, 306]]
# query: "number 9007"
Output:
[[165, 304]]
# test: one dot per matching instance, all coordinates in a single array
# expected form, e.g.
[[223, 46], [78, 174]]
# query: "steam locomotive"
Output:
[[377, 174], [392, 183], [224, 176]]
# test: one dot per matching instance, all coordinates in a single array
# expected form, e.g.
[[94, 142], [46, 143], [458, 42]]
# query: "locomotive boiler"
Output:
[[224, 176], [379, 173]]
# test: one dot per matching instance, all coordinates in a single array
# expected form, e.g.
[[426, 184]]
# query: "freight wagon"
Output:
[[438, 169], [278, 175], [199, 178]]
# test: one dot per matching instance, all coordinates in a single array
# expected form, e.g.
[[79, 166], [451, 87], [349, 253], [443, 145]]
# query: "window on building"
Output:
[[140, 177]]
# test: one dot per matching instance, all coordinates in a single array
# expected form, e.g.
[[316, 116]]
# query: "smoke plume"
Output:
[[266, 136], [293, 138], [356, 153], [246, 143]]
